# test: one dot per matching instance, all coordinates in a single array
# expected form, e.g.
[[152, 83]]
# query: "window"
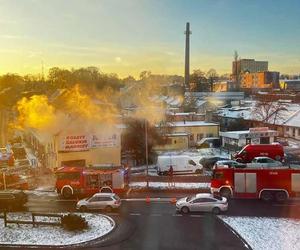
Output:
[[200, 136], [203, 200], [218, 175], [189, 198], [68, 176], [287, 129], [192, 162], [191, 137]]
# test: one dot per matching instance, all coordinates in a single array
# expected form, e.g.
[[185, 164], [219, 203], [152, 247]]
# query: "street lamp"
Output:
[[146, 147]]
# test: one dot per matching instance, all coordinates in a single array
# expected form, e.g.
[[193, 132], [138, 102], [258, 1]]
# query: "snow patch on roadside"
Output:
[[99, 225], [267, 233], [41, 193], [167, 185]]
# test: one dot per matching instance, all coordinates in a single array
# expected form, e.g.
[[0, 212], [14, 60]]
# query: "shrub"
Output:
[[74, 222]]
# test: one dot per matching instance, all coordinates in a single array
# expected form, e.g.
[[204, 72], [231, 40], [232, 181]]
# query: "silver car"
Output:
[[264, 162], [203, 202], [106, 201]]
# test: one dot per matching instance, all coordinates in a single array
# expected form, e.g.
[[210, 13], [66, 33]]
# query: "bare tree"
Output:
[[269, 111]]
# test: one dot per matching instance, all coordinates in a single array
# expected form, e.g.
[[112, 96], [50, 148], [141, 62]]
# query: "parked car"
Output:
[[249, 152], [264, 162], [106, 201], [203, 202], [209, 162], [11, 199], [181, 164], [230, 164]]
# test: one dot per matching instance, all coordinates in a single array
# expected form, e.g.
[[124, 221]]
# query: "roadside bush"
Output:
[[74, 222]]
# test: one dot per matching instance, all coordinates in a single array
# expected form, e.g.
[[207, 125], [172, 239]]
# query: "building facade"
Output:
[[236, 140], [196, 130], [248, 65], [77, 148], [265, 80]]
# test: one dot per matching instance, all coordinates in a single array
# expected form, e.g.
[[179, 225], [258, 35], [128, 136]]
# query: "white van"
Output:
[[182, 164]]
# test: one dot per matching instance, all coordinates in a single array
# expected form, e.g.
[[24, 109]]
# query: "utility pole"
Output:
[[4, 180], [187, 57], [146, 146]]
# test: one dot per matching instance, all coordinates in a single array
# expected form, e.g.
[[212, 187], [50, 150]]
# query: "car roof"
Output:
[[221, 161], [204, 195], [104, 194], [262, 157]]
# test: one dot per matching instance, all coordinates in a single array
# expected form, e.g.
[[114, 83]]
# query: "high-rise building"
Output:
[[259, 80], [247, 65]]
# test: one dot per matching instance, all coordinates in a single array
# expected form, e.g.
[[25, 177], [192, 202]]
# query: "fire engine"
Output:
[[267, 184], [86, 181]]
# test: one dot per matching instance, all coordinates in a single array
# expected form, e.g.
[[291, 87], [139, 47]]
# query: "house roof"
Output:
[[192, 124]]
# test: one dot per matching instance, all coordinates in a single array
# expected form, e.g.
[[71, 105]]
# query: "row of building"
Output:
[[250, 75]]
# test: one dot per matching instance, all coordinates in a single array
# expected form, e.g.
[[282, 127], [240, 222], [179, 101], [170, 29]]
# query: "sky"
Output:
[[129, 36]]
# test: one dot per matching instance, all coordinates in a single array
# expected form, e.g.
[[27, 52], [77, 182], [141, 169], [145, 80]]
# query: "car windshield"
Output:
[[218, 197], [189, 198]]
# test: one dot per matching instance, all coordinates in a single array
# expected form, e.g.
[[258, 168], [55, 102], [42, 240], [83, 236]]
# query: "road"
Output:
[[156, 225]]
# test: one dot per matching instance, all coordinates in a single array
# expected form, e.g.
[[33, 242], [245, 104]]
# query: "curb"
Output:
[[69, 246], [235, 233]]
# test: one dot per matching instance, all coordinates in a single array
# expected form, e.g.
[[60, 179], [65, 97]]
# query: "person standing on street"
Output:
[[171, 172]]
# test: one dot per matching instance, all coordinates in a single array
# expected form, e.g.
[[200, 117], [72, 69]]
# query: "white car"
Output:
[[264, 162], [106, 201], [203, 202]]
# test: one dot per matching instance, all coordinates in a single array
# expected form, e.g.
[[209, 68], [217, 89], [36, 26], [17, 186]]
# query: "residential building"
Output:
[[174, 142], [293, 85], [77, 148], [235, 140], [286, 123], [256, 81], [196, 130], [248, 65]]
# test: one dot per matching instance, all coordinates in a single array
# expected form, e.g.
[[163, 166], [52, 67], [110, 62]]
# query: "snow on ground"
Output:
[[167, 185], [99, 225], [41, 193], [267, 233]]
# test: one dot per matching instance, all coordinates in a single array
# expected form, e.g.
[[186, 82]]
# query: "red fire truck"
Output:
[[261, 183], [86, 181]]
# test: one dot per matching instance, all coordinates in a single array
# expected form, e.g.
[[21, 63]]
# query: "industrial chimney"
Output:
[[187, 57]]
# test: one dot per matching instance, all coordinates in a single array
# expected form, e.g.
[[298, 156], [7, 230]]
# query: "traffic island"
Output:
[[185, 187], [52, 235]]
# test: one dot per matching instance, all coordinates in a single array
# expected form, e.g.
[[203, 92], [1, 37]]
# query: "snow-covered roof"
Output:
[[288, 117], [192, 124], [178, 134], [242, 133]]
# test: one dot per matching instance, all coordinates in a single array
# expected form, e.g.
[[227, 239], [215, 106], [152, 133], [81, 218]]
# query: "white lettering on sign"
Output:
[[85, 142], [273, 173], [103, 141], [75, 143], [259, 129]]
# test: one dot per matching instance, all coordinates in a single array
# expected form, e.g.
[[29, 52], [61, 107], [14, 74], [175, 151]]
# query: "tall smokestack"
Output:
[[187, 57]]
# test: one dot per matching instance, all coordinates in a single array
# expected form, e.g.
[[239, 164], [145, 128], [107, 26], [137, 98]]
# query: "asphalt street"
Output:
[[156, 225]]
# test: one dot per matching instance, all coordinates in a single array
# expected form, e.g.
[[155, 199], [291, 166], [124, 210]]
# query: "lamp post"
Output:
[[4, 180], [146, 147]]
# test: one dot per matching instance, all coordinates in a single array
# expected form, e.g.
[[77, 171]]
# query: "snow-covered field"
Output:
[[99, 225], [167, 185], [267, 233]]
